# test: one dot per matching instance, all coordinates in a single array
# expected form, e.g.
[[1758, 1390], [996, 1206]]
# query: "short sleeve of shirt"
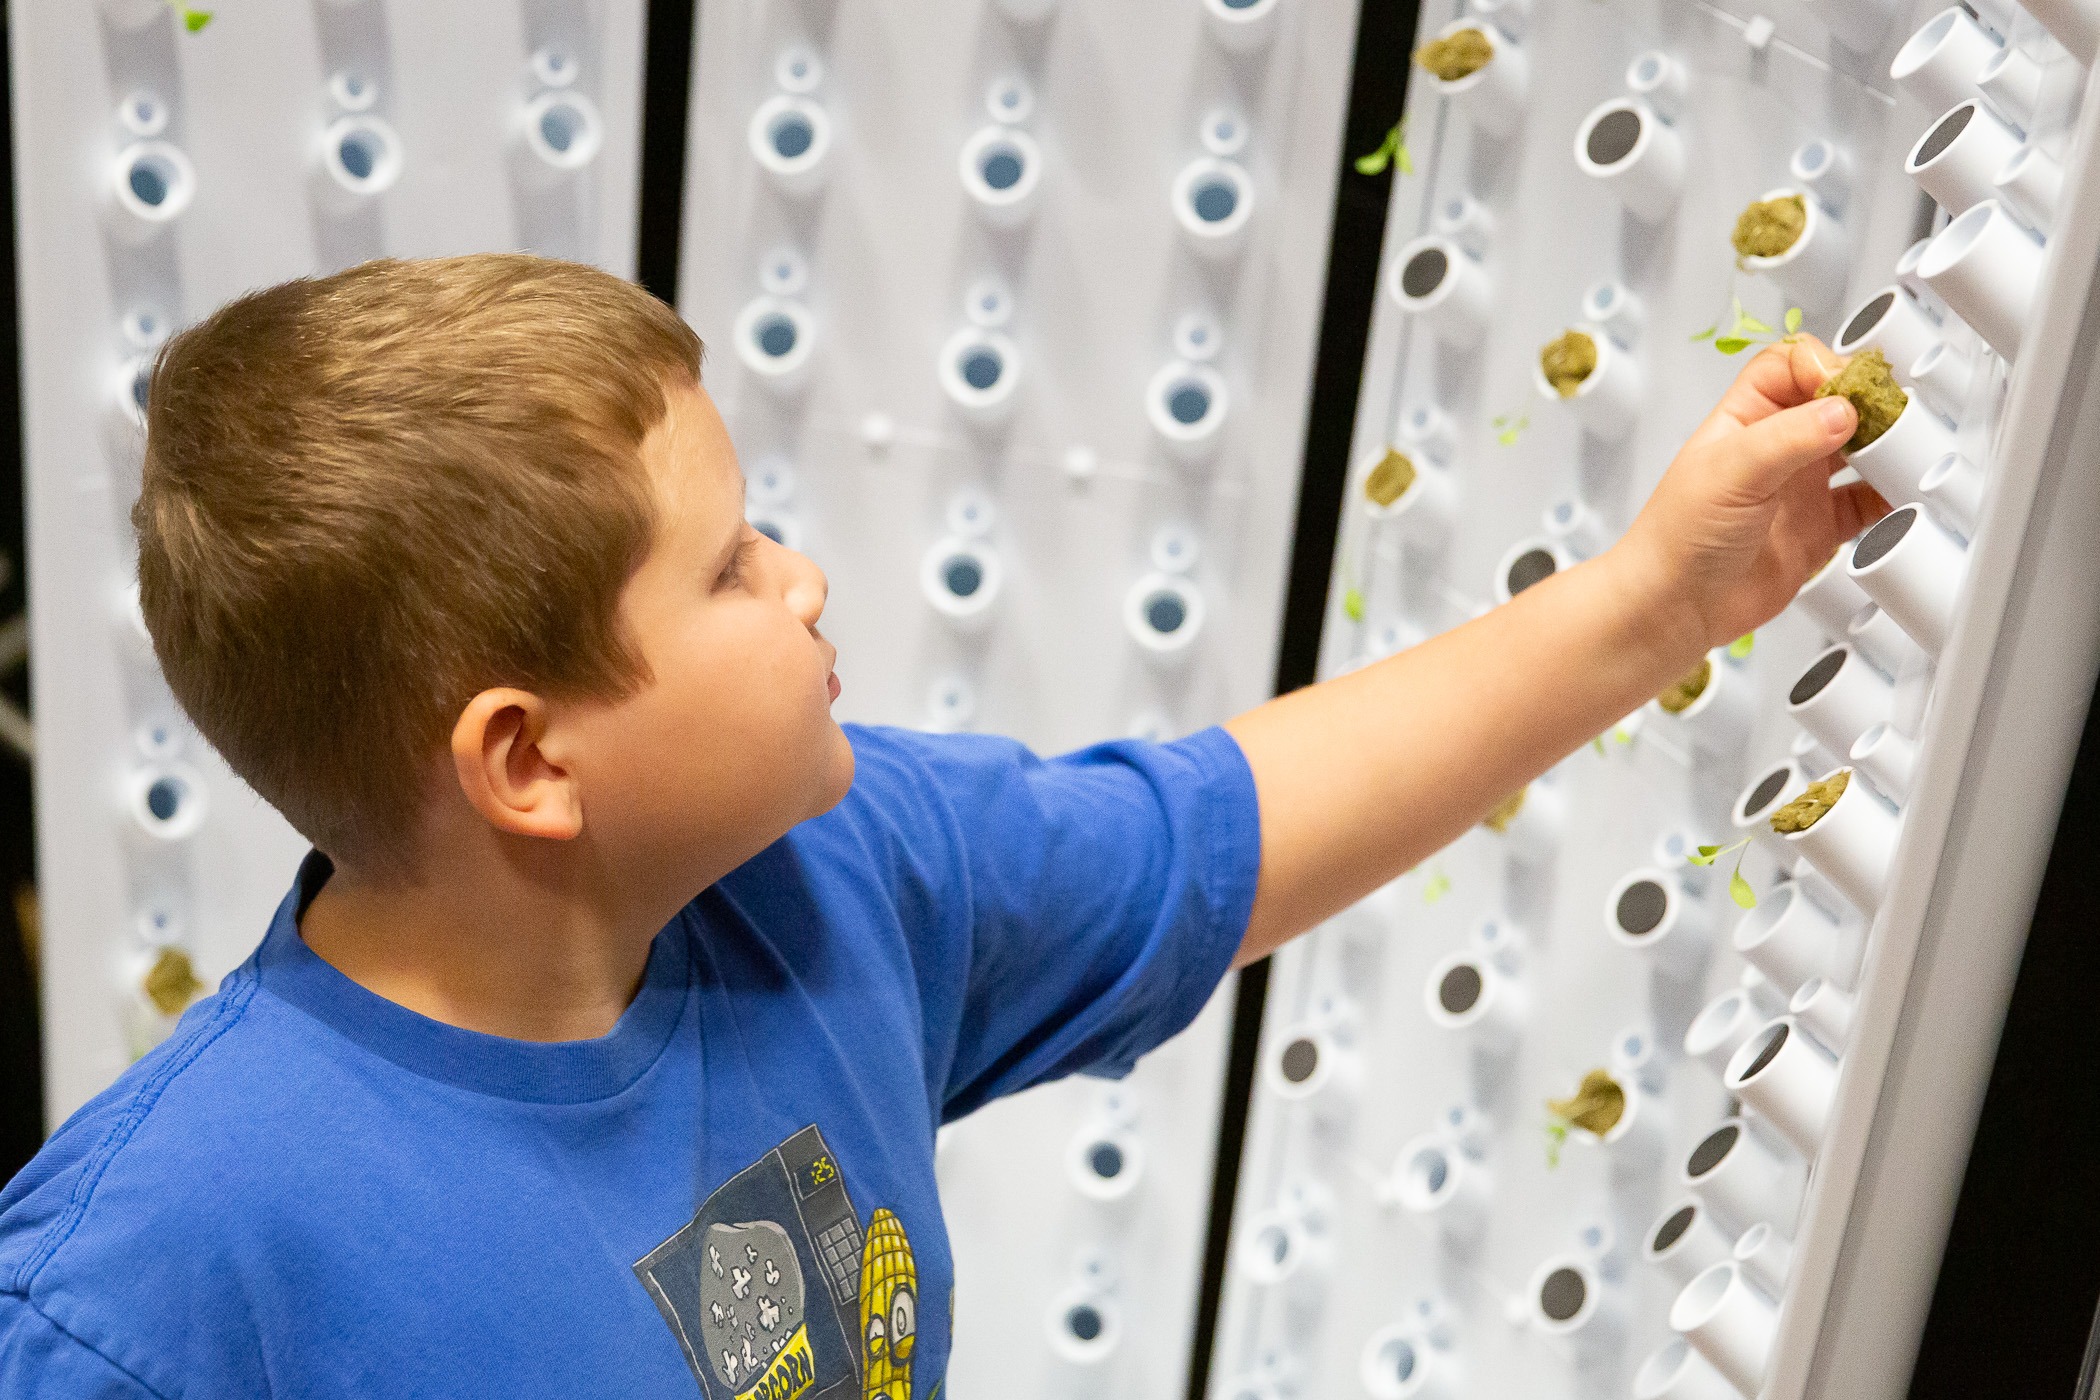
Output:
[[39, 1360], [1064, 915]]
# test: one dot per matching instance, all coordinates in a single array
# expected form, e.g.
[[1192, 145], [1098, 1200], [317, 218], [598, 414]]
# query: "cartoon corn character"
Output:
[[889, 1310]]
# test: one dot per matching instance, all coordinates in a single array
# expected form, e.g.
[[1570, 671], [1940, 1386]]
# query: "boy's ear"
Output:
[[505, 773]]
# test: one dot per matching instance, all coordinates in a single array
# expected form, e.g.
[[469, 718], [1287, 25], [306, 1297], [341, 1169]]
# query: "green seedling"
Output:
[[1738, 888], [1556, 1139], [1436, 885], [1393, 151], [1353, 604], [1742, 646], [193, 19], [1748, 331], [1510, 426], [1619, 736]]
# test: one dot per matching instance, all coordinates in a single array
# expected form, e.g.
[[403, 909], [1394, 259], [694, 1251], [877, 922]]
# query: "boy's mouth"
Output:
[[831, 683]]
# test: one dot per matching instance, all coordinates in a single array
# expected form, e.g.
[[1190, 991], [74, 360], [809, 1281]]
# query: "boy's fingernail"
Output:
[[1838, 414]]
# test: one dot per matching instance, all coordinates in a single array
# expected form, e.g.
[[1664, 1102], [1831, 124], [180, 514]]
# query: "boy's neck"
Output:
[[500, 943]]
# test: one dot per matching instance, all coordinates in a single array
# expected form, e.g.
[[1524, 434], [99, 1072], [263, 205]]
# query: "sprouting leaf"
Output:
[[1751, 323], [1739, 890], [1436, 886], [1556, 1138], [1394, 145], [1510, 426], [1619, 733], [1353, 604], [1731, 345], [1741, 646], [1598, 744], [1406, 161], [195, 20], [1705, 856], [1793, 320], [1709, 333]]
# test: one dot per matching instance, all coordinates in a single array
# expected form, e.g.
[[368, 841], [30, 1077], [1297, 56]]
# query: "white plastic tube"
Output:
[[775, 338], [1838, 698], [2012, 82], [1889, 759], [1436, 1182], [1105, 1164], [1085, 1330], [1528, 562], [1309, 1065], [1760, 798], [1812, 269], [2031, 186], [1741, 1180], [1433, 278], [1941, 63], [1466, 993], [361, 157], [564, 133], [1570, 1301], [1892, 322], [1824, 169], [2073, 23], [1958, 158], [1649, 912], [1660, 80], [1731, 1323], [980, 371], [1874, 635], [1830, 597], [1988, 269], [1789, 1080], [167, 801], [960, 580], [1912, 567], [1944, 374], [790, 138], [1421, 514], [1186, 403], [1213, 203], [1685, 1241], [1896, 462], [1608, 400], [1721, 1025], [151, 183], [1674, 1371], [1241, 26], [1718, 721], [1826, 1011], [1002, 170], [1766, 1256], [1467, 222], [1625, 144], [1492, 96], [1163, 613], [1398, 1363], [1852, 845], [1788, 938]]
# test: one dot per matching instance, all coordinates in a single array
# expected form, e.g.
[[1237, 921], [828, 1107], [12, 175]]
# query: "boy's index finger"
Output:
[[1778, 377]]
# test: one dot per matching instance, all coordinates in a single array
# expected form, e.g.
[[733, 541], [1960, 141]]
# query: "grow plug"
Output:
[[1596, 1107], [1738, 888], [1741, 647], [1748, 331], [1393, 151], [1510, 426], [193, 19]]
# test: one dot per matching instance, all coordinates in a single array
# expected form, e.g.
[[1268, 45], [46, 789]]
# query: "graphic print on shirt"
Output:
[[775, 1293]]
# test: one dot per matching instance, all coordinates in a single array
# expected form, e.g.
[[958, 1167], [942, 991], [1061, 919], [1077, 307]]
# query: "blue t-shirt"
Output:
[[310, 1191]]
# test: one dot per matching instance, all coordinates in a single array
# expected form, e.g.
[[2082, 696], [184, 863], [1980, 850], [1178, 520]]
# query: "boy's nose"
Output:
[[807, 589]]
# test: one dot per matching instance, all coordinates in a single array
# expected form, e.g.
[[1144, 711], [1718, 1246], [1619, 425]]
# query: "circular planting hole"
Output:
[[775, 335], [1166, 612], [1001, 166], [1815, 158], [1188, 402], [561, 125], [1712, 1150], [1425, 272], [1273, 1244], [1875, 545], [1773, 1041], [359, 153], [1767, 791], [1613, 137], [1641, 907], [1396, 1359], [1562, 1295], [1866, 319], [1084, 1322], [1460, 989], [1430, 1169], [981, 367], [1105, 1160], [152, 178], [1530, 567], [1648, 70], [1299, 1059], [165, 797], [142, 385], [1214, 201], [1672, 1230], [1942, 136], [962, 576], [791, 135], [1819, 675]]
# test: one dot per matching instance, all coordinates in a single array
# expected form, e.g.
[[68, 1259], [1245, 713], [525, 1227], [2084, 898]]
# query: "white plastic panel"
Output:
[[1408, 1224], [280, 140], [994, 247]]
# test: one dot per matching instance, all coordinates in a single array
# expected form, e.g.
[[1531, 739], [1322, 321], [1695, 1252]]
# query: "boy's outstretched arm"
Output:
[[1362, 777]]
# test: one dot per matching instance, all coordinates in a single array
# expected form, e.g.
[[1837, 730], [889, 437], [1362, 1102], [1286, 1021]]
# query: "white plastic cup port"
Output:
[[980, 371], [1466, 993], [960, 579], [1637, 1058], [1105, 1164], [167, 801], [1607, 403], [1616, 307], [1186, 403], [1467, 222], [1853, 844], [1825, 1010], [1284, 1245], [1569, 1299], [1213, 202], [1892, 322], [1760, 798], [1309, 1065], [152, 183], [1873, 634], [1398, 1363], [1433, 278], [1789, 1080], [1912, 566], [1163, 613], [1822, 168], [1838, 698], [1740, 1179], [2012, 82], [361, 157], [1830, 597], [565, 133], [1423, 513], [1085, 1329], [1907, 276], [1241, 26], [1002, 171], [1812, 269], [1528, 562], [1766, 1256], [1812, 757], [1960, 155], [1429, 433], [1685, 1241], [1889, 759], [790, 138], [1659, 80], [1436, 1182], [1492, 96], [1789, 939], [1944, 376], [1649, 912], [2073, 23], [1674, 1371], [774, 341], [1627, 145], [2031, 186], [1988, 269], [1941, 63], [1731, 1323], [1896, 462], [1718, 719]]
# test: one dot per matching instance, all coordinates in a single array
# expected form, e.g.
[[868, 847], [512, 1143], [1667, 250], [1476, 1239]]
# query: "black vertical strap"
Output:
[[667, 83], [1385, 35]]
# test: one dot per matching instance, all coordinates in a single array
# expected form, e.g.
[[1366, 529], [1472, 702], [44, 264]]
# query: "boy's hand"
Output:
[[1745, 514]]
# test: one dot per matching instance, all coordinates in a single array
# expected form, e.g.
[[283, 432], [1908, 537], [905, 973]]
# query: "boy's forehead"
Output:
[[689, 454]]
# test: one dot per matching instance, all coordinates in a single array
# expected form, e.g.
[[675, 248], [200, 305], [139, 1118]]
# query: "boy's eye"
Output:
[[734, 570]]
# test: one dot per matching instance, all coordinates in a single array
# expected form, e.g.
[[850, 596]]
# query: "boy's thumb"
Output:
[[1764, 456]]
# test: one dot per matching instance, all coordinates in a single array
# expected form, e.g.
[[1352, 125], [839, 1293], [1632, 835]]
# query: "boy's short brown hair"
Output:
[[369, 496]]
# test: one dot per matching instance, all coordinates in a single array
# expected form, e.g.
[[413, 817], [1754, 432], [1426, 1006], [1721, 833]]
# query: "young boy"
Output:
[[599, 1046]]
